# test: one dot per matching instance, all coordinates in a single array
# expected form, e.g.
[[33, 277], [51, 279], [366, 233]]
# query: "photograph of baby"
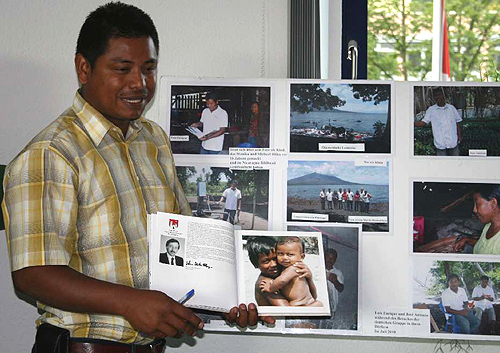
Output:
[[456, 120], [462, 296], [211, 119], [285, 271], [340, 118], [240, 197], [339, 191], [456, 217]]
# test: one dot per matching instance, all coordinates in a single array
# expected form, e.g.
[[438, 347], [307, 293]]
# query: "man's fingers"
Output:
[[232, 315], [166, 330], [253, 316], [267, 320], [242, 319]]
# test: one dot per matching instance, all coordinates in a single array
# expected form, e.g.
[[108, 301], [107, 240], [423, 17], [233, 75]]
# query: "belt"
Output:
[[93, 347]]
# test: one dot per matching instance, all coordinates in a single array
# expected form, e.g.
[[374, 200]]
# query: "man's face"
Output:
[[123, 79], [484, 283], [233, 186], [172, 248], [211, 104], [330, 260], [439, 98], [289, 253], [454, 283], [267, 264]]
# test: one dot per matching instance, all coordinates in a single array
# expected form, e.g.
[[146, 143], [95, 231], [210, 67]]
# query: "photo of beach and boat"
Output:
[[340, 118], [344, 191]]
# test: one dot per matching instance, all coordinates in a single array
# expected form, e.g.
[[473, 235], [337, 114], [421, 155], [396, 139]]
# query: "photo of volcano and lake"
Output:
[[325, 187], [335, 115]]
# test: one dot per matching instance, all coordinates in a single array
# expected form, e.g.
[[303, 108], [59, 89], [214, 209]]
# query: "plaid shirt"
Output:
[[78, 195]]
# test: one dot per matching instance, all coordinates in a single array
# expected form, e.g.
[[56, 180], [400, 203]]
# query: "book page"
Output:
[[193, 253]]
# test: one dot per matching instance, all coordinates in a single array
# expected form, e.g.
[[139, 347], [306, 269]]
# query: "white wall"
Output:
[[211, 38]]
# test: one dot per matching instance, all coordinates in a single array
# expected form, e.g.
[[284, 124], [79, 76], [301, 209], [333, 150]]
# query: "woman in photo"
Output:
[[258, 130], [487, 209]]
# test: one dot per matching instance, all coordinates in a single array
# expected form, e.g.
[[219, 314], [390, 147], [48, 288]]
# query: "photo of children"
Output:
[[284, 279], [356, 193], [240, 197], [284, 270], [454, 217], [461, 295], [456, 120], [211, 119], [328, 117], [341, 253]]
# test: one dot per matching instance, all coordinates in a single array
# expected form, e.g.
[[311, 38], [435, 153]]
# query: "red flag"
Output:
[[445, 73]]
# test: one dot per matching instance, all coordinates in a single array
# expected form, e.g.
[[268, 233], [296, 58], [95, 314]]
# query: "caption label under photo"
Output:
[[309, 217], [177, 138], [367, 219], [399, 322], [352, 147], [257, 158], [478, 153]]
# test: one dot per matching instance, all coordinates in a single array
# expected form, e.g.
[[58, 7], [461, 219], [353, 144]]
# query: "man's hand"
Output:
[[332, 277], [159, 315], [244, 317]]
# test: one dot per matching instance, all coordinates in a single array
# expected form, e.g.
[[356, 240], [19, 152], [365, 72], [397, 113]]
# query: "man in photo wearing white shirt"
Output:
[[444, 120], [484, 296], [455, 301], [214, 122], [335, 285], [232, 197]]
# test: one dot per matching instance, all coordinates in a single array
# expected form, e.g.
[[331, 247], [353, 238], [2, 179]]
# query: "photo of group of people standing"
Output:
[[345, 199]]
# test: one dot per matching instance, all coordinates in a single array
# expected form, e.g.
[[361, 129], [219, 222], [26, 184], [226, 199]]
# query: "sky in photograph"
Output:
[[200, 173], [345, 170], [344, 92]]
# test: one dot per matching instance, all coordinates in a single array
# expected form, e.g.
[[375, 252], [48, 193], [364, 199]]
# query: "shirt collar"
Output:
[[96, 124]]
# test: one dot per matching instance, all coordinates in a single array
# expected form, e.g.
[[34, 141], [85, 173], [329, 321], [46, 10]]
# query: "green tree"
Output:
[[305, 98], [399, 24], [473, 33]]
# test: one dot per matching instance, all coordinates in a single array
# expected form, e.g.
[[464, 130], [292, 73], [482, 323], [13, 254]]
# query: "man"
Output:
[[444, 120], [214, 122], [335, 285], [455, 301], [232, 197], [322, 199], [329, 199], [77, 196], [170, 257], [484, 296]]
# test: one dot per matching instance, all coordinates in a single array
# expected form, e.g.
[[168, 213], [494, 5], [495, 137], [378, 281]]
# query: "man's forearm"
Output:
[[67, 289]]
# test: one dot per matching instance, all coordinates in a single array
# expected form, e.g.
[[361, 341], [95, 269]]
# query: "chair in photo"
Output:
[[450, 320]]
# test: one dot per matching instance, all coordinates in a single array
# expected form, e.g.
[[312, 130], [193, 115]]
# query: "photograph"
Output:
[[340, 118], [285, 269], [462, 296], [240, 197], [212, 119], [339, 191], [456, 217], [341, 248], [456, 120], [172, 251]]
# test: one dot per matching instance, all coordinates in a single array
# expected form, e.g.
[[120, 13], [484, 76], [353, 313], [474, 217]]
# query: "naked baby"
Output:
[[297, 287]]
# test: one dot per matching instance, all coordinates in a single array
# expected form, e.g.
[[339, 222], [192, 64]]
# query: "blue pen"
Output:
[[186, 297]]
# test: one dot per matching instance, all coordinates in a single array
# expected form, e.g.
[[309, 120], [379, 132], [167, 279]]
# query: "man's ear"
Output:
[[494, 203], [83, 68]]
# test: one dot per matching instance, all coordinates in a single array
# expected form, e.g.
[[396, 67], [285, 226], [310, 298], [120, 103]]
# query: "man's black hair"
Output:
[[173, 240], [212, 96], [259, 245], [450, 277], [437, 90], [113, 20], [486, 278]]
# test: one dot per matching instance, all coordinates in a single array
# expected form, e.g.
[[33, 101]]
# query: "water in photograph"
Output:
[[380, 193], [359, 122]]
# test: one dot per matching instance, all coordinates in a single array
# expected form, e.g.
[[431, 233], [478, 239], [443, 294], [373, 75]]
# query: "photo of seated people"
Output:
[[212, 119], [461, 295], [461, 218], [456, 120]]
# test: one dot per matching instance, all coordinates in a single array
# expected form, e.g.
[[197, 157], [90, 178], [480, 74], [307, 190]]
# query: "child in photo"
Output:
[[297, 288]]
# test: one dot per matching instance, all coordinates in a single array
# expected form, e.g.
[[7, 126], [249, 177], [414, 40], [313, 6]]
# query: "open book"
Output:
[[226, 267]]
